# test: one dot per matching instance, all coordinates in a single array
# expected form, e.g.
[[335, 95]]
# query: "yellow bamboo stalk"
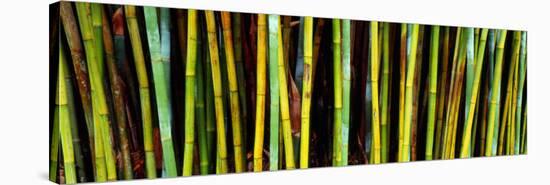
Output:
[[216, 79], [375, 61], [306, 91], [260, 91], [233, 91]]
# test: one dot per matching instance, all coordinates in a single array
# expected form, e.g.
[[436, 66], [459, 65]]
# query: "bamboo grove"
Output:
[[146, 92]]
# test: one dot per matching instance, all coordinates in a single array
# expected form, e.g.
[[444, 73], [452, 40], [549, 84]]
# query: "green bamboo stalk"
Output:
[[285, 114], [204, 149], [408, 99], [78, 155], [337, 78], [434, 54], [495, 83], [470, 63], [306, 92], [216, 80], [524, 132], [159, 48], [54, 145], [117, 90], [105, 164], [190, 73], [65, 132], [375, 62], [273, 27], [384, 123], [260, 92], [522, 69], [465, 150], [233, 92], [97, 23], [144, 92], [346, 104], [208, 98]]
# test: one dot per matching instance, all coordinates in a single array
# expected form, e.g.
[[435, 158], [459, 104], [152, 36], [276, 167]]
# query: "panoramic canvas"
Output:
[[148, 92]]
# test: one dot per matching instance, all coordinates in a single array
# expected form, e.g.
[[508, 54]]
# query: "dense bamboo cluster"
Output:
[[146, 92]]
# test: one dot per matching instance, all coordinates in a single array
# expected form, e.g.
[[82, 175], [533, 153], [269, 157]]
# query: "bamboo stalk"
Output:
[[216, 80], [190, 75], [273, 27], [260, 92], [285, 114], [403, 60], [65, 132], [466, 148], [375, 62], [440, 103], [337, 78], [233, 92], [54, 145], [159, 48], [145, 100], [346, 85], [384, 94], [209, 99], [306, 92], [117, 90], [240, 78], [408, 99], [522, 69], [434, 54], [495, 83], [80, 69], [105, 163], [200, 104]]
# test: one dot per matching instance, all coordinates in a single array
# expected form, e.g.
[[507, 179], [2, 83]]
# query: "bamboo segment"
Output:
[[496, 83], [54, 146], [200, 104], [190, 74], [273, 27], [306, 92], [285, 114], [145, 100], [405, 155], [384, 93], [216, 79], [337, 67], [346, 104], [64, 121], [159, 48], [260, 94], [375, 62], [233, 92], [434, 54]]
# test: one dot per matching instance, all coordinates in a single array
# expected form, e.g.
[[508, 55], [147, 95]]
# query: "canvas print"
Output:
[[156, 92]]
